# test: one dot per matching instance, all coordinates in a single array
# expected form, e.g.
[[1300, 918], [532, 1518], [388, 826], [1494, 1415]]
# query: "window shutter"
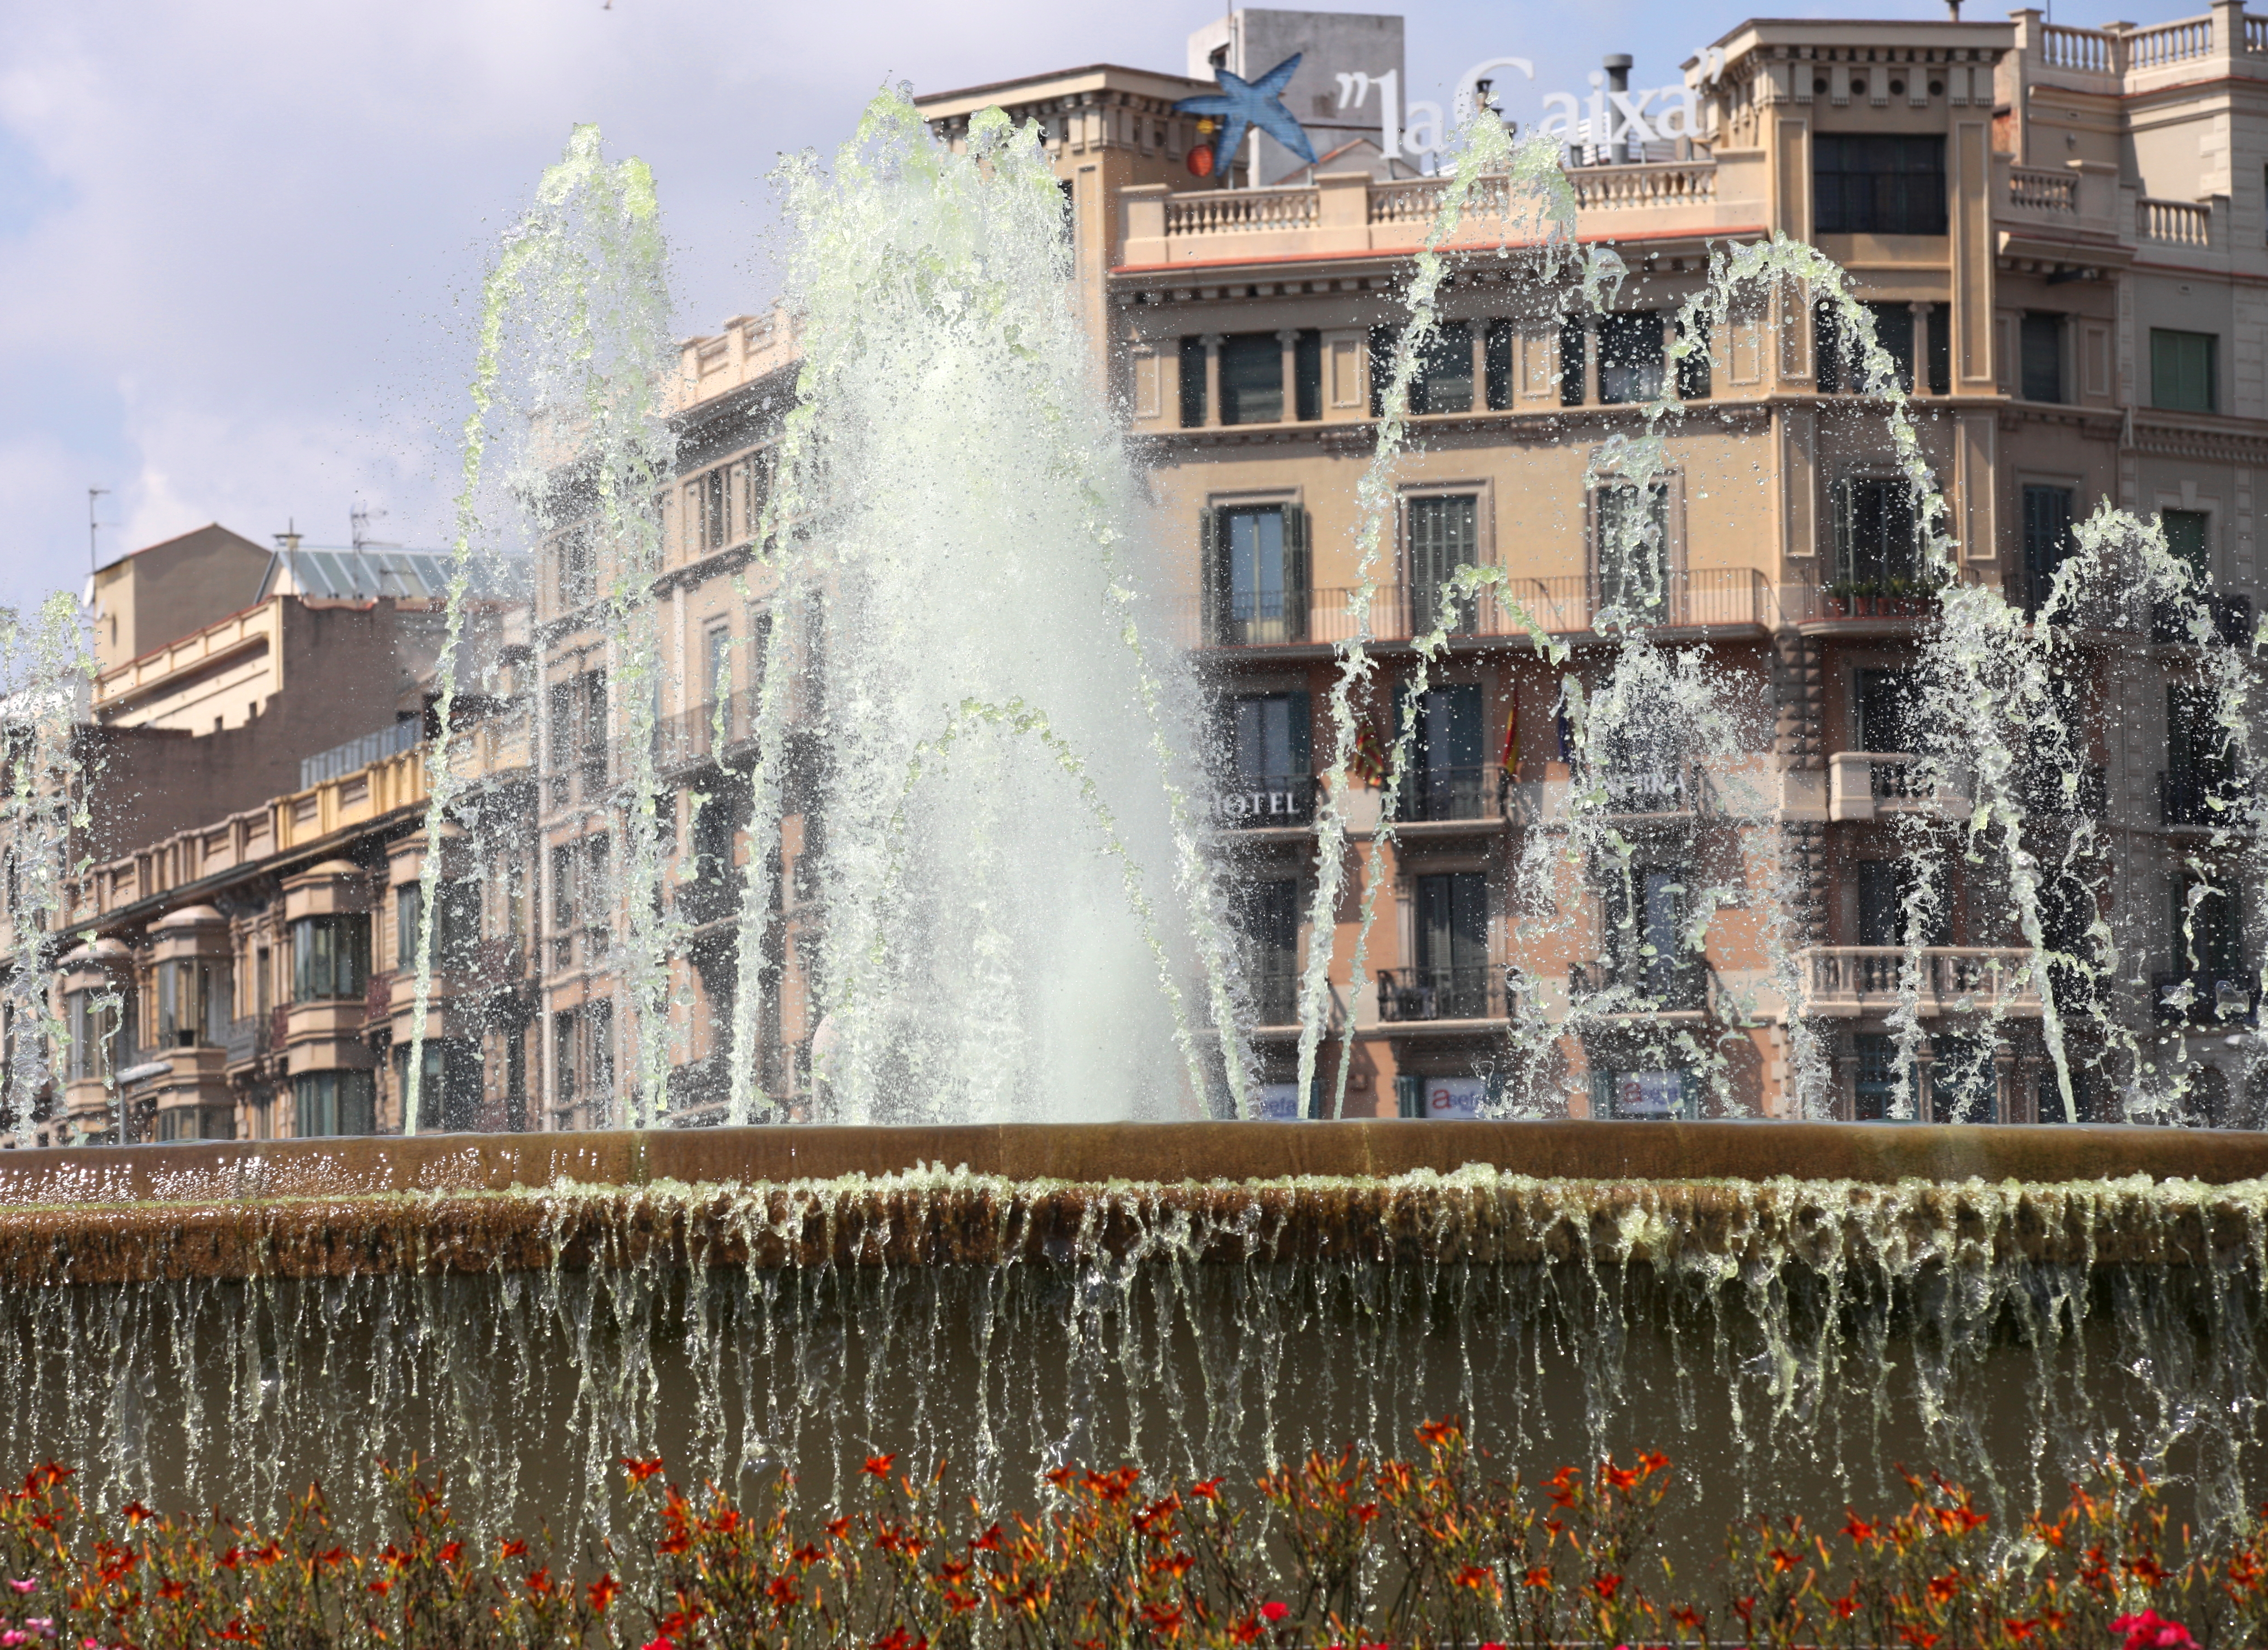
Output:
[[1843, 502], [1295, 573], [1209, 576]]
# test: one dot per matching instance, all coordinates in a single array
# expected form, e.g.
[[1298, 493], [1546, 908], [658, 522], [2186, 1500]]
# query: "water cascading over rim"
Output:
[[1789, 1310]]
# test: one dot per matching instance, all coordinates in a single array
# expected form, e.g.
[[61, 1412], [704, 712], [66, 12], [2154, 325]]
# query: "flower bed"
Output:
[[1442, 1549]]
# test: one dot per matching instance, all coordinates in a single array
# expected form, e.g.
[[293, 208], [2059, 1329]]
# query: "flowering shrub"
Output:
[[1335, 1551]]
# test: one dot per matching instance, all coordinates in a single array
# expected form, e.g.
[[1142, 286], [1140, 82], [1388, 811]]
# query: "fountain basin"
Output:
[[1375, 1192]]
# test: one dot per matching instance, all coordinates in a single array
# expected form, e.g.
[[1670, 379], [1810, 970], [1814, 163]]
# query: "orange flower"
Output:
[[604, 1591], [640, 1470], [878, 1466]]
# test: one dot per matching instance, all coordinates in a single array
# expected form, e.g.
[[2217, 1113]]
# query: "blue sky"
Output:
[[236, 236]]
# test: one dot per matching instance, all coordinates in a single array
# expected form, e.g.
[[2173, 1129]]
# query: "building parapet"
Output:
[[1350, 212]]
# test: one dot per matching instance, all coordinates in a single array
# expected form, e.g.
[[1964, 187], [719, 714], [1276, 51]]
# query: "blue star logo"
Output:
[[1241, 104]]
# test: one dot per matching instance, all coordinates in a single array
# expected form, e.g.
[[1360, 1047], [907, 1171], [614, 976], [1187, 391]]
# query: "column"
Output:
[[1212, 343], [1289, 338]]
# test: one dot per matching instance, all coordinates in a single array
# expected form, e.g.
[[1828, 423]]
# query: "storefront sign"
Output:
[[1605, 117]]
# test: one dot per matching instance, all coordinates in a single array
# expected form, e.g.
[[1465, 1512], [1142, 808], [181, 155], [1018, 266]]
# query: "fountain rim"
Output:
[[1108, 1154]]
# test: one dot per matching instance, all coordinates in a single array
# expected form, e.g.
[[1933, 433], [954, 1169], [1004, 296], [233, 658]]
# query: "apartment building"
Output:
[[2062, 236], [231, 958]]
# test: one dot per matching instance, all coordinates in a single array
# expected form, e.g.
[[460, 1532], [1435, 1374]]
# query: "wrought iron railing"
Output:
[[1416, 994]]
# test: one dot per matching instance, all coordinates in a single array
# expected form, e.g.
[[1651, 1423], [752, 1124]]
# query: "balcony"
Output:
[[1440, 997], [2192, 800], [243, 1043], [2229, 620], [2204, 998], [1264, 802], [1848, 981], [1651, 985], [1342, 212], [692, 738], [1445, 795], [1716, 599], [1883, 784]]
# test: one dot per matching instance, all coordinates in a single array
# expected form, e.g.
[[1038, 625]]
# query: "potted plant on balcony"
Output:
[[1897, 597]]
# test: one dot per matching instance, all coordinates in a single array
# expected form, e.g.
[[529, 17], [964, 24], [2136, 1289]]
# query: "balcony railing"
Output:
[[1877, 785], [2204, 998], [242, 1043], [1706, 598], [1410, 996], [1657, 985], [1447, 793], [1253, 802], [1853, 980], [2035, 191], [691, 739], [2174, 223], [2187, 797], [2228, 617]]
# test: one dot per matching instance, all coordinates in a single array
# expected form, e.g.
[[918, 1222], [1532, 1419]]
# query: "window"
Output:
[[91, 1020], [330, 958], [579, 733], [1440, 381], [576, 562], [1631, 547], [2039, 350], [1644, 909], [1964, 1079], [1255, 574], [1495, 352], [1451, 934], [717, 684], [1889, 710], [2189, 539], [1877, 536], [2208, 939], [2183, 370], [754, 488], [456, 928], [2200, 760], [335, 1102], [582, 1052], [1630, 358], [1572, 387], [1877, 185], [1268, 781], [1267, 917], [1447, 780], [1443, 536], [1307, 375], [1193, 383], [1839, 365], [1885, 886], [706, 511], [448, 1083], [1251, 378], [1694, 370], [196, 1123], [2047, 538], [1879, 1076]]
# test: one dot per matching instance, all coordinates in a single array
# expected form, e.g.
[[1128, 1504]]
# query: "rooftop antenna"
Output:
[[358, 520], [288, 540], [93, 556]]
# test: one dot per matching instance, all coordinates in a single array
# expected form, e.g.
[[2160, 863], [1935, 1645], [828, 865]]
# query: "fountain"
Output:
[[1016, 1212]]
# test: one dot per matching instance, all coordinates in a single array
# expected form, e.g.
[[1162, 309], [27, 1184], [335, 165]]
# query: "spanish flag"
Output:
[[1508, 762]]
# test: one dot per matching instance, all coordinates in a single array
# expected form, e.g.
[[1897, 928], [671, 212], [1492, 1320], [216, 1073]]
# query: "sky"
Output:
[[238, 238]]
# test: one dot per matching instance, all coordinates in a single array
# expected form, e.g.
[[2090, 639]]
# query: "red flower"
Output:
[[1275, 1611], [641, 1470], [603, 1593], [2150, 1631], [878, 1466]]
